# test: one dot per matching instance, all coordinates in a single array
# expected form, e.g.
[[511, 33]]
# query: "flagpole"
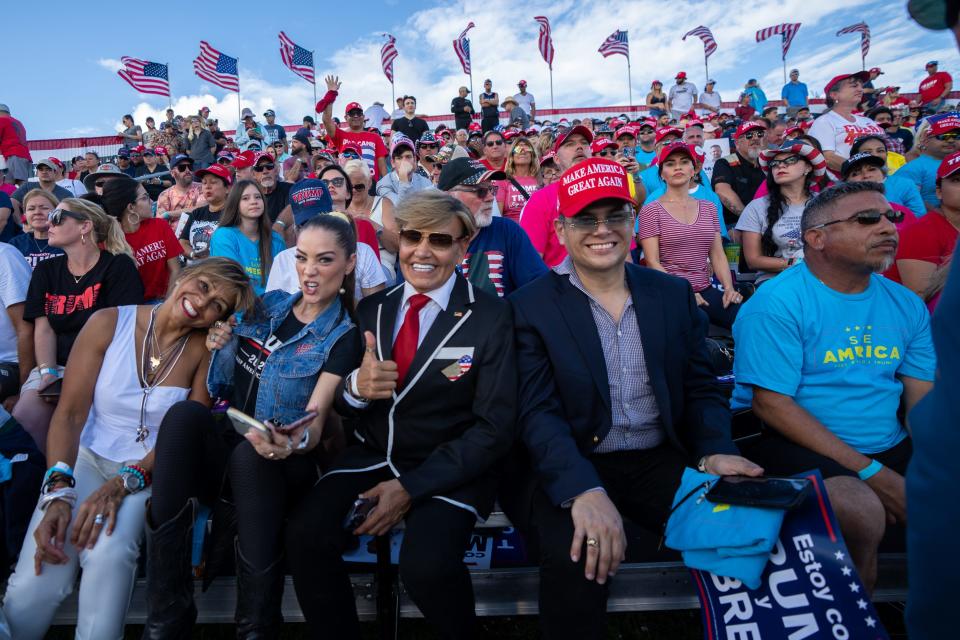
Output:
[[706, 67], [784, 69], [314, 65], [629, 79], [239, 119], [169, 90], [551, 87], [471, 80]]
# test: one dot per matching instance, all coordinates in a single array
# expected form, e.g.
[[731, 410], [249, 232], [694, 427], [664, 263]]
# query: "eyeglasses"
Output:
[[481, 192], [947, 137], [412, 237], [359, 187], [260, 168], [551, 173], [786, 162], [591, 223], [186, 167], [337, 182], [867, 218], [753, 135], [56, 216], [494, 143]]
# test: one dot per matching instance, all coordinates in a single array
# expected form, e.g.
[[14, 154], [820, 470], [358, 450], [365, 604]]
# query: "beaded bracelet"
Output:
[[60, 467], [138, 471]]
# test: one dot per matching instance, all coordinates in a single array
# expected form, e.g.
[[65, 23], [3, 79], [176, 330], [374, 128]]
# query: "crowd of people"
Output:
[[431, 320]]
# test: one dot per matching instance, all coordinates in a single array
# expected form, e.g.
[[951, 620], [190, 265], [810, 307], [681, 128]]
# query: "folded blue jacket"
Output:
[[727, 540]]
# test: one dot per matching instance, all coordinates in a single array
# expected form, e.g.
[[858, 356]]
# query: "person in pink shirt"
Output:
[[571, 148], [523, 170]]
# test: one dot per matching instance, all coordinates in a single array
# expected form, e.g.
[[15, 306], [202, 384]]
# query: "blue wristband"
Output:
[[870, 470]]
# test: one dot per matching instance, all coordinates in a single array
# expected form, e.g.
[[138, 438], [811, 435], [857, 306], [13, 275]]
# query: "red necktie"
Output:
[[405, 346]]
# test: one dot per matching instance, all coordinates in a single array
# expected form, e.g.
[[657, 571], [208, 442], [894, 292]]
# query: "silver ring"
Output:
[[218, 324], [98, 519], [271, 455]]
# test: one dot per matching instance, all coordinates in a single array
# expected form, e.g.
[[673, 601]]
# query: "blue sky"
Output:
[[84, 42]]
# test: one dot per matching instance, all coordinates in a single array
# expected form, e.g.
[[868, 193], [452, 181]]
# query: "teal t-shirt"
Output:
[[229, 242], [922, 171], [837, 355]]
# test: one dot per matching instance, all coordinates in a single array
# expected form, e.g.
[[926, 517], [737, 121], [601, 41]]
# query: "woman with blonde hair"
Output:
[[129, 366], [35, 244], [523, 178], [64, 293], [199, 143]]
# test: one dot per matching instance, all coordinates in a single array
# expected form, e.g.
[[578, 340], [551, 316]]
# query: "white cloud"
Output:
[[110, 64], [504, 48]]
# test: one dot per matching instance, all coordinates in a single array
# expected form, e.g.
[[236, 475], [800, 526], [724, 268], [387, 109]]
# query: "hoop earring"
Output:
[[82, 239]]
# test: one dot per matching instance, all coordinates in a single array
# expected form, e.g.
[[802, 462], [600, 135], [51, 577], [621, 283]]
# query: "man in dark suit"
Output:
[[617, 396], [434, 403]]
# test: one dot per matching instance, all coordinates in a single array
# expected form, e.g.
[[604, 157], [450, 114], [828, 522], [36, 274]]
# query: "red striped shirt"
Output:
[[684, 248]]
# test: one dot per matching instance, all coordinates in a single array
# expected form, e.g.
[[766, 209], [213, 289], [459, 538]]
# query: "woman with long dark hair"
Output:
[[770, 224], [155, 246], [245, 234], [275, 366]]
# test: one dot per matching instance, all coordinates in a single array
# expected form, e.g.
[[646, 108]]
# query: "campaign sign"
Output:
[[810, 587]]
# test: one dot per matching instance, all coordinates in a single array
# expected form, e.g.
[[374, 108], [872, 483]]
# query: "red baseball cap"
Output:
[[352, 146], [678, 147], [138, 149], [647, 122], [352, 106], [627, 130], [549, 156], [244, 160], [600, 144], [681, 74], [615, 124], [876, 70], [694, 122], [217, 170], [946, 123], [262, 155], [663, 132], [474, 126], [522, 83], [589, 181], [862, 76], [510, 135], [746, 127], [562, 137], [948, 166]]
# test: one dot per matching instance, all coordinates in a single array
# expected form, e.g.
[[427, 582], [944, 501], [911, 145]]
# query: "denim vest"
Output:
[[291, 371]]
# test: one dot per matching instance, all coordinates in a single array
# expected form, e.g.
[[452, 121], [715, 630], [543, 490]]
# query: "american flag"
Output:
[[144, 76], [216, 67], [545, 42], [709, 44], [296, 58], [786, 30], [864, 31], [461, 46], [388, 53], [616, 43]]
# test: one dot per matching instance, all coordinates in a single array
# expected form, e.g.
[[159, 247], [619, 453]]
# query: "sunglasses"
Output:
[[350, 154], [186, 167], [606, 154], [359, 187], [100, 183], [337, 182], [56, 216], [591, 223], [260, 168], [223, 161], [753, 135], [494, 143], [947, 137], [867, 218], [786, 162], [481, 192], [412, 237]]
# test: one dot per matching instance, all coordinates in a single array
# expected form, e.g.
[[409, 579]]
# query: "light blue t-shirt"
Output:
[[795, 94], [229, 242], [903, 192], [702, 192], [837, 355], [645, 157], [922, 171]]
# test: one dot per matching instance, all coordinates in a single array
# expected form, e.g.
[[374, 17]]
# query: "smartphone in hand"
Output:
[[287, 429], [358, 513]]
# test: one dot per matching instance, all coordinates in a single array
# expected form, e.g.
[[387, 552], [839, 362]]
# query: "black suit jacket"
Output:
[[442, 437], [564, 391]]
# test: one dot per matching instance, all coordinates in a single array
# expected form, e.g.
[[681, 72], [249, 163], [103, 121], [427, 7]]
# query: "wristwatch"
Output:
[[132, 483]]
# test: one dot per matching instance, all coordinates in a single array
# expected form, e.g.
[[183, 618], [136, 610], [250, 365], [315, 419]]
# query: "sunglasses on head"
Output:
[[266, 166], [494, 143], [56, 216], [867, 218], [337, 182], [786, 162], [412, 237]]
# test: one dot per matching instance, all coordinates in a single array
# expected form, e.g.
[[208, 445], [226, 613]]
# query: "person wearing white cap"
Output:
[[526, 100], [710, 99]]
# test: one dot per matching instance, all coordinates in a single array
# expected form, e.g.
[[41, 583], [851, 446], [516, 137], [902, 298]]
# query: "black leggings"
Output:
[[194, 451], [9, 380], [714, 309]]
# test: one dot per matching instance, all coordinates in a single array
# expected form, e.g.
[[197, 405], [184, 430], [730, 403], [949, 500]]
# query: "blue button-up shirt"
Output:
[[635, 414]]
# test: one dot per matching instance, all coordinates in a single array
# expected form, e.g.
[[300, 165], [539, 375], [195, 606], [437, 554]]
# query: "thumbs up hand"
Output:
[[376, 379]]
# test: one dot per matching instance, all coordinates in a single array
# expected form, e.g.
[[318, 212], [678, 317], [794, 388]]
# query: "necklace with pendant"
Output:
[[154, 372]]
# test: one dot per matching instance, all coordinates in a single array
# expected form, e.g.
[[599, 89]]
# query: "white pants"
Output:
[[108, 569]]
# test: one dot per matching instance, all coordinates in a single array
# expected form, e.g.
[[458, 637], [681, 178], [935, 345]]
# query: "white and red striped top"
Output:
[[684, 248]]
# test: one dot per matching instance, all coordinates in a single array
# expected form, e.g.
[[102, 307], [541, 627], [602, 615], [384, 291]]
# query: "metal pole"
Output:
[[239, 119], [706, 67], [314, 65], [551, 87], [169, 91], [784, 69]]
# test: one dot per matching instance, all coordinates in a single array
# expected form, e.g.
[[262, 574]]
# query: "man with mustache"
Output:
[[737, 177], [827, 353]]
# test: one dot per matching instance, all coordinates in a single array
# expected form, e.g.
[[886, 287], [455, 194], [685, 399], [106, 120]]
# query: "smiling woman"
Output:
[[102, 437]]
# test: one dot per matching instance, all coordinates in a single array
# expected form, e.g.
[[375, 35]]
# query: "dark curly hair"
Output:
[[775, 207]]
